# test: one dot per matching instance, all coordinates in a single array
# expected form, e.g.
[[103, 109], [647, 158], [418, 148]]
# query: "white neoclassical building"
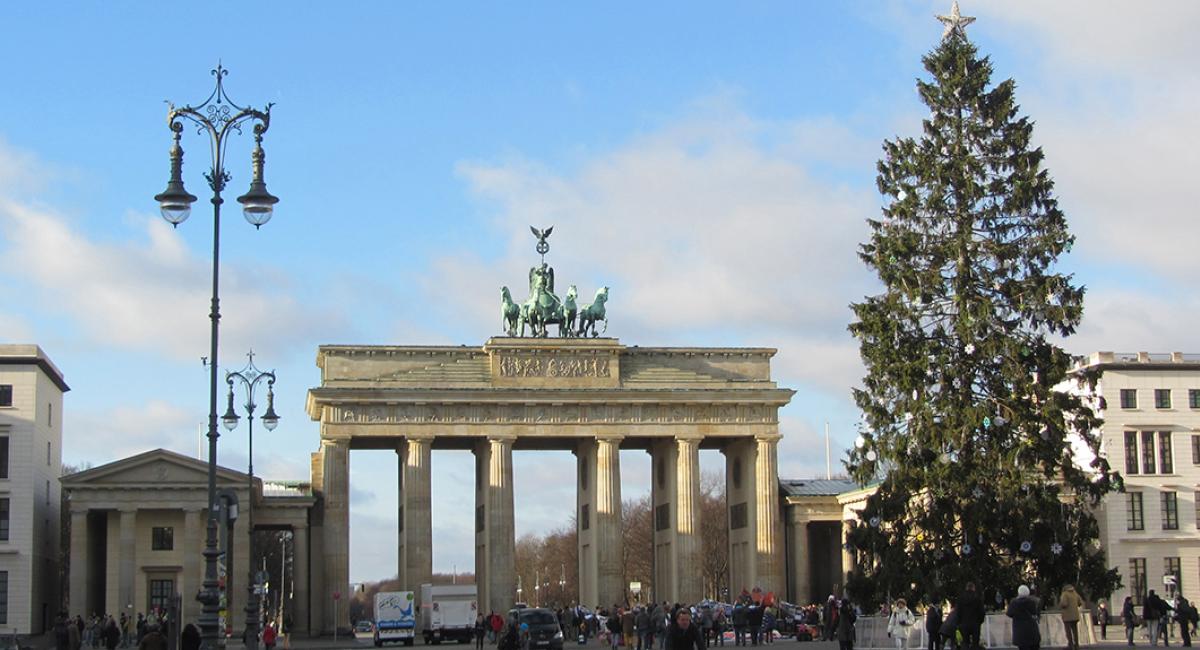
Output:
[[1151, 435], [31, 400]]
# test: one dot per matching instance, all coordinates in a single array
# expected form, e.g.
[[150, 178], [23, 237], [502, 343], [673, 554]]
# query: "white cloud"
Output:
[[150, 292]]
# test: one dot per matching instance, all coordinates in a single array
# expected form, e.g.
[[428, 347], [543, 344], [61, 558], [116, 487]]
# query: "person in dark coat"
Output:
[[845, 625], [829, 619], [1154, 610], [1183, 614], [190, 640], [152, 639], [112, 634], [739, 624], [949, 628], [970, 617], [754, 620], [1023, 610], [682, 635], [62, 636], [933, 625], [1129, 619]]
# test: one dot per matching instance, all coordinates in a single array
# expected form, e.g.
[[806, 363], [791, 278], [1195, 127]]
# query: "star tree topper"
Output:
[[955, 22]]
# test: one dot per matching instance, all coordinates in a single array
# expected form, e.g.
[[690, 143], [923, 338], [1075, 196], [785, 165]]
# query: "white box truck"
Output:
[[448, 612], [394, 619]]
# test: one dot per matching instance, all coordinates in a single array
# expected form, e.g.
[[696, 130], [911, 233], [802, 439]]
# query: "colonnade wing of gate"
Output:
[[593, 397]]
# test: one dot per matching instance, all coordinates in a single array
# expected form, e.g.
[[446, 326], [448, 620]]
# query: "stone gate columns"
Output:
[[127, 555], [335, 464], [663, 460], [300, 590], [79, 563], [687, 520], [601, 557], [415, 523], [495, 528], [768, 520], [755, 525]]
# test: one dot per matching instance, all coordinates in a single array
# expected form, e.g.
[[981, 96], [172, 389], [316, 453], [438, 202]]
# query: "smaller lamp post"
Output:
[[249, 377]]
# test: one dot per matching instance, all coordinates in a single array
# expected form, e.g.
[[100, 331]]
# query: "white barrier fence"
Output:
[[871, 633]]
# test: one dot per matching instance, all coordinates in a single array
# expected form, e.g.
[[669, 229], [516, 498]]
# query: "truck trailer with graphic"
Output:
[[394, 617]]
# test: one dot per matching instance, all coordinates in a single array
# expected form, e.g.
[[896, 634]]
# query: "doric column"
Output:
[[336, 483], [768, 549], [687, 520], [800, 586], [300, 592], [609, 556], [193, 569], [416, 527], [495, 543], [79, 562], [849, 559], [663, 460], [128, 559]]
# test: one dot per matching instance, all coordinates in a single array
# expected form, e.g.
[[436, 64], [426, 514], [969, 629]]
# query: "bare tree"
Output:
[[714, 535], [637, 549]]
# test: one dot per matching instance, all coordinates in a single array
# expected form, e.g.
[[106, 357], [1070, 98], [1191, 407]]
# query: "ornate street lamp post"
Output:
[[249, 377], [216, 117]]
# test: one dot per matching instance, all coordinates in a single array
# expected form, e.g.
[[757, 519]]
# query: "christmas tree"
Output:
[[966, 427]]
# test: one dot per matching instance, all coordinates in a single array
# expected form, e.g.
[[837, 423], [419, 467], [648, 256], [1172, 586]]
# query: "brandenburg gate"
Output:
[[590, 395]]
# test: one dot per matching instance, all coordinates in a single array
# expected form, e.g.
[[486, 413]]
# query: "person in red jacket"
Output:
[[268, 636]]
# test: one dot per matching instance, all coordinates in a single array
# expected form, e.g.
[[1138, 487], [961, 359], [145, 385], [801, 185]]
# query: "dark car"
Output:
[[543, 627]]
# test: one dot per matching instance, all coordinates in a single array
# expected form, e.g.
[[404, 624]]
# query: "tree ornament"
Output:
[[1000, 421], [966, 549], [860, 442], [1056, 548], [987, 422], [874, 522], [871, 455], [1026, 546], [977, 493], [901, 195], [970, 348]]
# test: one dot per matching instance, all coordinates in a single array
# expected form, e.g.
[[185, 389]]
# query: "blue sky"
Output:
[[713, 163]]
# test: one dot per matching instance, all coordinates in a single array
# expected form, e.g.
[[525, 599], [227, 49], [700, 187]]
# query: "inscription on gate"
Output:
[[521, 366]]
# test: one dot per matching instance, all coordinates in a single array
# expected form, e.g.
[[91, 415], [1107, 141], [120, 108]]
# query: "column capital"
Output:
[[688, 442], [502, 438], [340, 443], [420, 437], [768, 437], [610, 438]]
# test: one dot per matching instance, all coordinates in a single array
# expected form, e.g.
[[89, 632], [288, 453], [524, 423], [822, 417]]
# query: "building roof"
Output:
[[28, 354], [816, 487], [1139, 361]]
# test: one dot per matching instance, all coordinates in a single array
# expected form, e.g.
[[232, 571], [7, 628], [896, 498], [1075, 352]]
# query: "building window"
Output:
[[1128, 398], [737, 516], [1134, 519], [4, 456], [1196, 500], [49, 414], [1170, 511], [1131, 455], [162, 538], [47, 454], [1137, 579], [1147, 452], [1166, 460], [1194, 398], [1172, 567], [160, 594], [5, 394], [3, 597], [479, 519], [585, 518], [662, 517], [4, 519], [1196, 450], [1162, 398]]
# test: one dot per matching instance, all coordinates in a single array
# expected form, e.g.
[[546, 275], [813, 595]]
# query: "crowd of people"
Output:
[[146, 632]]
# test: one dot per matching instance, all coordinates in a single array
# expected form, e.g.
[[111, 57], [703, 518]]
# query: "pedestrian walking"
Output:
[[1103, 618], [269, 636], [1154, 609], [949, 629], [1070, 603], [900, 623], [829, 618], [845, 627], [739, 624], [682, 634], [189, 639], [112, 634], [1184, 613], [933, 625], [1128, 619], [481, 629], [152, 639], [970, 617], [1023, 610], [754, 621]]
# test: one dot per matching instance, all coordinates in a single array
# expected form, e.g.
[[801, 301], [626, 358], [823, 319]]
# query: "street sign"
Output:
[[635, 588]]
